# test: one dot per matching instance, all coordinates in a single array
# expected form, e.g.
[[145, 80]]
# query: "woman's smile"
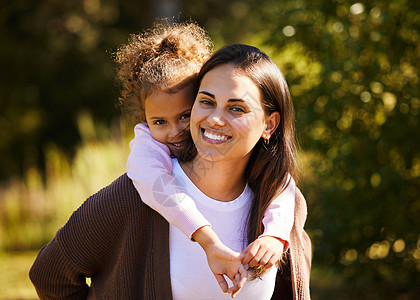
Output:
[[214, 137]]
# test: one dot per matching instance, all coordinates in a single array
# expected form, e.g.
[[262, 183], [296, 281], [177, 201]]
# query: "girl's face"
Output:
[[227, 118], [168, 114]]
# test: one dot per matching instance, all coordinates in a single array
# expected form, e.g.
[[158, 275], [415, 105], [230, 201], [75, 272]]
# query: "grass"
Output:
[[15, 283], [33, 208]]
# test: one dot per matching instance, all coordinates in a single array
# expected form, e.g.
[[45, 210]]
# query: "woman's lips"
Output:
[[214, 137]]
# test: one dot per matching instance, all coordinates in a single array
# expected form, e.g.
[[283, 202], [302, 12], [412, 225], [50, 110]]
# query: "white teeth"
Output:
[[215, 137]]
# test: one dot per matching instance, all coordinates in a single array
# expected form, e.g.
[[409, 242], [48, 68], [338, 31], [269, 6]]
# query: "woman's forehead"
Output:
[[226, 81]]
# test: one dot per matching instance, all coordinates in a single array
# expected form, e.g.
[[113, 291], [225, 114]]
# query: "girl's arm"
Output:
[[278, 222], [149, 166], [222, 261], [279, 216]]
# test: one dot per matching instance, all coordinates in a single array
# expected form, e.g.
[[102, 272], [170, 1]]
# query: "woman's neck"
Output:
[[223, 181]]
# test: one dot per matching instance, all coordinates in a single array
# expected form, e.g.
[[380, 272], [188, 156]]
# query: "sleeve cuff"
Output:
[[286, 241]]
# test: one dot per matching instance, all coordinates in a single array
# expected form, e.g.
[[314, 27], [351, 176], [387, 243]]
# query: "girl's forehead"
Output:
[[165, 103]]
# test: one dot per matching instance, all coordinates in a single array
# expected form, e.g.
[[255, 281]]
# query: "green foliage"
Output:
[[14, 275], [56, 61], [357, 122], [33, 209]]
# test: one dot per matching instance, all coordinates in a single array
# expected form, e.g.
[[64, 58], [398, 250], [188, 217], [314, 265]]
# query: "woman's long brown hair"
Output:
[[269, 166]]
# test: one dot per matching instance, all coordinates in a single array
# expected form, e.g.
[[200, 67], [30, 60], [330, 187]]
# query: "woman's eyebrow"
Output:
[[236, 100], [207, 93], [212, 96]]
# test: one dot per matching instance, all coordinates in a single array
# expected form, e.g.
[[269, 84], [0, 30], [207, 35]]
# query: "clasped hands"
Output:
[[264, 251]]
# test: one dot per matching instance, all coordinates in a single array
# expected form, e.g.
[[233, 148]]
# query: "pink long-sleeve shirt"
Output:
[[149, 166]]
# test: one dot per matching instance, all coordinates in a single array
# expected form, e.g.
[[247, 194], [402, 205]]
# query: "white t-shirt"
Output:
[[191, 277]]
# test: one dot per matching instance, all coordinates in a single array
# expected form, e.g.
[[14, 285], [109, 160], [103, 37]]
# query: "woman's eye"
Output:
[[238, 109], [159, 122], [206, 102]]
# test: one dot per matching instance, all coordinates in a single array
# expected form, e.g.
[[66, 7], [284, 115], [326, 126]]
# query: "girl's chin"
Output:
[[174, 151], [185, 152]]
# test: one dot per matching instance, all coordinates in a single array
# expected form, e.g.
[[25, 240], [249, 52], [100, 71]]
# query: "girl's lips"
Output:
[[176, 144], [214, 137], [175, 148]]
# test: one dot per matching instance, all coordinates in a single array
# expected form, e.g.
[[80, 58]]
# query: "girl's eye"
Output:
[[185, 116], [159, 122]]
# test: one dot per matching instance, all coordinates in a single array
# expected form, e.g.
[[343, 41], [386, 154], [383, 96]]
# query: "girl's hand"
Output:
[[264, 251], [222, 261]]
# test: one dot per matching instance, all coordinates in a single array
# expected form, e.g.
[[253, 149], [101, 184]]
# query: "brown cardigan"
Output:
[[123, 245]]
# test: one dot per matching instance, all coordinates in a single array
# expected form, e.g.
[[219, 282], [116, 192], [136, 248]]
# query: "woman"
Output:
[[242, 126]]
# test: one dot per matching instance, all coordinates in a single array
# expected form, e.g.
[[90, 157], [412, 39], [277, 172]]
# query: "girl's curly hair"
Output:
[[165, 56]]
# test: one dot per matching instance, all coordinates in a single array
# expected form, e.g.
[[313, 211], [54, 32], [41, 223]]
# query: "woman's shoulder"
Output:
[[118, 199], [100, 223], [121, 189], [111, 207]]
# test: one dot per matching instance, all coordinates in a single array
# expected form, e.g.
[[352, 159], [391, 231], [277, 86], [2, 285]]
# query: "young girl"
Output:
[[157, 70]]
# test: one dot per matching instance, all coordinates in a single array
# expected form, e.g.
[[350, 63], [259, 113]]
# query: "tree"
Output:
[[56, 62], [357, 124]]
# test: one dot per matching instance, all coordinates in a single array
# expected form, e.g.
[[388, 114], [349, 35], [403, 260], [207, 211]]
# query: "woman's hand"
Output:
[[222, 261], [264, 251]]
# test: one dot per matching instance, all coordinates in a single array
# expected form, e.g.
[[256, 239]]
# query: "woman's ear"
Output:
[[271, 124]]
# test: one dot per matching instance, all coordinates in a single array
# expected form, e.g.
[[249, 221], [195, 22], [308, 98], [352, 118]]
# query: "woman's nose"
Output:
[[216, 118]]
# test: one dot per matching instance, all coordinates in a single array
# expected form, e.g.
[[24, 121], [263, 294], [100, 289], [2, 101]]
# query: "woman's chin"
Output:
[[212, 153]]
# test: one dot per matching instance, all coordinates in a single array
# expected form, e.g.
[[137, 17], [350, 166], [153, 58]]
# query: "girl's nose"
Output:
[[176, 129]]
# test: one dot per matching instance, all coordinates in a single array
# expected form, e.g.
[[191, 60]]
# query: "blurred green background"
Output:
[[353, 71]]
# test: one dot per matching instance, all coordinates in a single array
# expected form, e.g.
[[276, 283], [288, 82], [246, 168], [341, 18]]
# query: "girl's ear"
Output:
[[271, 124]]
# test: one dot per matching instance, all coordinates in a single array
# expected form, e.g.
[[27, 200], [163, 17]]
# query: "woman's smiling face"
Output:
[[227, 118]]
